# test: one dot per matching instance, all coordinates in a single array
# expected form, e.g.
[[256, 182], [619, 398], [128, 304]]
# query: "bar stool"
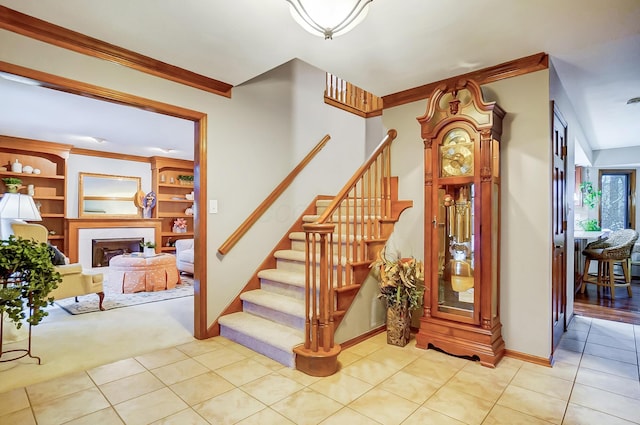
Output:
[[615, 249]]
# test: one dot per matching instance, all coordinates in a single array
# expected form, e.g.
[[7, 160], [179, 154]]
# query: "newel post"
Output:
[[319, 355]]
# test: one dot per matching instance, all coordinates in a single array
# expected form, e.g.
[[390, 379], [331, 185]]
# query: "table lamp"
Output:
[[16, 206]]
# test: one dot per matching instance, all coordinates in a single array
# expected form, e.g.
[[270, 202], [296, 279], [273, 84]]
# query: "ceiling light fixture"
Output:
[[98, 139], [633, 100], [328, 18]]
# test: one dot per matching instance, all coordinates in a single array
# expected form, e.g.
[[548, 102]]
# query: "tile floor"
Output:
[[594, 381]]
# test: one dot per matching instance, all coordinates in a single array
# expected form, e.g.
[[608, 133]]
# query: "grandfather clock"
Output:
[[461, 136]]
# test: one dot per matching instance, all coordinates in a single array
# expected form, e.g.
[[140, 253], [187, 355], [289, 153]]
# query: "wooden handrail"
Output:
[[262, 208]]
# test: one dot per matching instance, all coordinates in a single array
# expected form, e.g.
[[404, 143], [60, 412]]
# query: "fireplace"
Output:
[[104, 250]]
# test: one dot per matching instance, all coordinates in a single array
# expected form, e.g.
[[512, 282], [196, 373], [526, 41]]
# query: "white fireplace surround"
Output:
[[86, 236]]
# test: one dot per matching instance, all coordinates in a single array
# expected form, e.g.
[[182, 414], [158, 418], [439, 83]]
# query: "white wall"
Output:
[[525, 299], [252, 141]]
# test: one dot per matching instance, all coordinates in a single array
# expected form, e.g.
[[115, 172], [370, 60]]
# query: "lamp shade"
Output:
[[328, 18], [18, 206]]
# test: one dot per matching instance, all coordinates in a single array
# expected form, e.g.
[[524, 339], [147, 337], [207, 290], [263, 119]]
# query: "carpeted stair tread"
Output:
[[300, 236], [299, 256], [312, 218], [266, 331], [274, 301], [284, 276]]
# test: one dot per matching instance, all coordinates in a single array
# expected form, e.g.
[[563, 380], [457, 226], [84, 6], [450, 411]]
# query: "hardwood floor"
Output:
[[623, 309]]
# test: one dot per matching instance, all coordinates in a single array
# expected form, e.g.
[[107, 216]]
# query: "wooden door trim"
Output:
[[200, 163], [47, 32]]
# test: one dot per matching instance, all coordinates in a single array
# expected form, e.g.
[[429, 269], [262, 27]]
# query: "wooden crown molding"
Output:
[[483, 76], [47, 32]]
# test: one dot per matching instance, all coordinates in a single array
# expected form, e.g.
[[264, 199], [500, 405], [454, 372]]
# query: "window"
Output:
[[617, 208]]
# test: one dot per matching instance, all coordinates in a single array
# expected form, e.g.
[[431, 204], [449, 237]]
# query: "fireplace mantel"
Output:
[[73, 226]]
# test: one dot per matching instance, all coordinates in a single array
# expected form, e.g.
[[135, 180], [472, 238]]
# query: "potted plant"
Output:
[[148, 248], [26, 273], [401, 282], [12, 184], [186, 180], [590, 199]]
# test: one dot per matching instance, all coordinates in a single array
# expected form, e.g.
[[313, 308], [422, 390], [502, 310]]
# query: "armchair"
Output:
[[75, 281], [184, 255]]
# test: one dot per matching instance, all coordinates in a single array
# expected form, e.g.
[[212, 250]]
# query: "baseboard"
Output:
[[359, 339], [548, 362]]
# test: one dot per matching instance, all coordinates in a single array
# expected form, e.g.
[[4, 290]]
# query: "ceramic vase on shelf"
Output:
[[149, 251], [16, 167], [177, 229], [398, 324]]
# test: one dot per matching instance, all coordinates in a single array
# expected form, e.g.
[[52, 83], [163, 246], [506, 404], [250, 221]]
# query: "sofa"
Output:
[[184, 255]]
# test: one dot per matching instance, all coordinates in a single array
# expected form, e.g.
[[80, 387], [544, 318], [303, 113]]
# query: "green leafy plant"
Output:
[[401, 281], [590, 225], [12, 180], [26, 274], [187, 178], [590, 196], [147, 244]]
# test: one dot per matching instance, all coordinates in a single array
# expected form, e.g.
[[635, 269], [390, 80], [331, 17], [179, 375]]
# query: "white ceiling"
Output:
[[594, 45]]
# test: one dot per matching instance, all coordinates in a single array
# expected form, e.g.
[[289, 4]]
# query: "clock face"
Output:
[[456, 154]]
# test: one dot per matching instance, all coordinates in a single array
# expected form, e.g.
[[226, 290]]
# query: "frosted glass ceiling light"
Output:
[[328, 18]]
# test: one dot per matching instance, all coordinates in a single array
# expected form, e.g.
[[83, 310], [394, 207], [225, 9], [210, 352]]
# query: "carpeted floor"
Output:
[[113, 299]]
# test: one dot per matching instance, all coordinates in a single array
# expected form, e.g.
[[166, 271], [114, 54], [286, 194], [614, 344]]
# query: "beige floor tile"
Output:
[[130, 387], [578, 335], [69, 407], [545, 384], [458, 405], [150, 407], [241, 349], [346, 357], [566, 356], [366, 347], [369, 371], [307, 407], [614, 367], [266, 417], [426, 416], [572, 345], [240, 373], [201, 388], [394, 357], [348, 416], [613, 383], [384, 407], [620, 342], [161, 358], [580, 322], [533, 403], [566, 371], [106, 416], [229, 407], [58, 387], [197, 347], [341, 387], [184, 417], [485, 386], [446, 359], [273, 365], [219, 358], [510, 362], [580, 415], [501, 415], [13, 400], [18, 417], [410, 387], [606, 402], [503, 372], [114, 371], [272, 388], [179, 371], [296, 375], [433, 371], [611, 353]]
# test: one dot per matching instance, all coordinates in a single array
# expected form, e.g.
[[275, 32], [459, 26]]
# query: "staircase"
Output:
[[290, 309]]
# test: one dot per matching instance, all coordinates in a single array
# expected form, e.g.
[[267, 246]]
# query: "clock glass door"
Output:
[[454, 243]]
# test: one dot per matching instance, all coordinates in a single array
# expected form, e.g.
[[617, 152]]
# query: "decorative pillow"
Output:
[[57, 257]]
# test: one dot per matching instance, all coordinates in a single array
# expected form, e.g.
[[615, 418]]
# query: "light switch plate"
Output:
[[213, 206]]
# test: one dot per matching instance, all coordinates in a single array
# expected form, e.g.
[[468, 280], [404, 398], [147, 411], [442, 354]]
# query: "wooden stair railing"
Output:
[[264, 206], [357, 220], [346, 96]]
